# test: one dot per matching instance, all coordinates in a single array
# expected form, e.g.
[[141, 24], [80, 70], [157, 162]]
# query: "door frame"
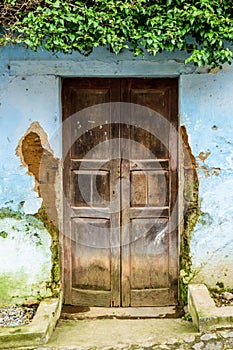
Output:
[[180, 185]]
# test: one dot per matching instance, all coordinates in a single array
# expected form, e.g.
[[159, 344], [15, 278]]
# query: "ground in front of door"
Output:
[[148, 334]]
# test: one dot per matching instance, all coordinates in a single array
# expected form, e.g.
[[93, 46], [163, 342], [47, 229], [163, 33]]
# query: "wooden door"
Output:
[[120, 192]]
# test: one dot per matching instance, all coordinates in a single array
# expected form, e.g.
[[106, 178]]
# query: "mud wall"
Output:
[[30, 206]]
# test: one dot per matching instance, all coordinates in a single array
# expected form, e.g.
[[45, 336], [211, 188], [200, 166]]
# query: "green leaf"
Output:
[[155, 26]]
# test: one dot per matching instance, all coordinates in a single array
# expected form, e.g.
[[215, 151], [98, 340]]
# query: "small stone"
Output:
[[227, 296], [189, 339], [229, 343], [216, 295], [30, 303], [147, 344], [208, 336], [214, 346], [172, 341], [164, 346], [198, 346], [227, 335]]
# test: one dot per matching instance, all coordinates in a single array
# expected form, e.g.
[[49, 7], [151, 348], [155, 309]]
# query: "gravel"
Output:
[[222, 298], [17, 315]]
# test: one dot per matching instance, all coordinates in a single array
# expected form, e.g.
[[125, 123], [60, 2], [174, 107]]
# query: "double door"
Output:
[[120, 192]]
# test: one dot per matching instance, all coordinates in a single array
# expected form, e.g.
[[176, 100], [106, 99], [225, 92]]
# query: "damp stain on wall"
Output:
[[25, 257]]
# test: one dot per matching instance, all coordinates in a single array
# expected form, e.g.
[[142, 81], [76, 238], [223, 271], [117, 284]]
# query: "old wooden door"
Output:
[[120, 192]]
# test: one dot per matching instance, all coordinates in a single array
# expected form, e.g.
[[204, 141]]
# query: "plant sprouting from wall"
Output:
[[202, 27]]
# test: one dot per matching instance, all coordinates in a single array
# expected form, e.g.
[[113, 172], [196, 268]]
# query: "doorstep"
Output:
[[119, 333], [205, 314], [82, 312], [38, 331]]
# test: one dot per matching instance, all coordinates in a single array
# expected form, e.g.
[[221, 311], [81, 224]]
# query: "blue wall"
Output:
[[206, 109], [30, 92]]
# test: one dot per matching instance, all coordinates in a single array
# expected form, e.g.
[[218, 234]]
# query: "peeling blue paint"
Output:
[[207, 104], [19, 107], [30, 86]]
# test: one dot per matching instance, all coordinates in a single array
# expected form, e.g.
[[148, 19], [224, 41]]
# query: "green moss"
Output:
[[32, 223], [3, 234], [54, 284], [191, 215], [31, 220], [9, 213], [205, 218], [19, 281], [220, 285]]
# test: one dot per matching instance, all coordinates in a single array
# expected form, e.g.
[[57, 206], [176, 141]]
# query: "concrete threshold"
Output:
[[205, 315], [35, 333], [119, 333], [81, 313]]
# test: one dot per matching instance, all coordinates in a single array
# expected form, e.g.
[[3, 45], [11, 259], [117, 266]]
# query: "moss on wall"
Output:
[[32, 230], [24, 250], [3, 234], [54, 285], [18, 281], [191, 213], [30, 224]]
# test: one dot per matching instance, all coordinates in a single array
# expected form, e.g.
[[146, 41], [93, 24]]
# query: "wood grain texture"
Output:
[[90, 298], [122, 249], [151, 297]]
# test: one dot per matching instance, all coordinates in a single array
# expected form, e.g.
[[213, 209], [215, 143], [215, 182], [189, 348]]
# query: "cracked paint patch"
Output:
[[208, 171], [36, 154], [203, 156]]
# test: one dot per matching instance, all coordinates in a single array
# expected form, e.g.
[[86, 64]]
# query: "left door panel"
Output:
[[91, 200]]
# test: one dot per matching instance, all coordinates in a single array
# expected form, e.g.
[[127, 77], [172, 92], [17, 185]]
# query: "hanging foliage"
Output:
[[203, 28]]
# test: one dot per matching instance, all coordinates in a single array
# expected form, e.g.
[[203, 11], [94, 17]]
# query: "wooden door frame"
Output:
[[180, 185]]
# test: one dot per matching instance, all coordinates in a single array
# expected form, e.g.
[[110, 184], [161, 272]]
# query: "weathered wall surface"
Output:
[[206, 107], [29, 125], [26, 245]]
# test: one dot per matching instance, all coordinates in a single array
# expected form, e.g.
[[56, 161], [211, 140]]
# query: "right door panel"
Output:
[[149, 173]]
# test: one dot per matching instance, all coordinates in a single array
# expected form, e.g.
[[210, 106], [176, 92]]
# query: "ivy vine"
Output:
[[203, 28]]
